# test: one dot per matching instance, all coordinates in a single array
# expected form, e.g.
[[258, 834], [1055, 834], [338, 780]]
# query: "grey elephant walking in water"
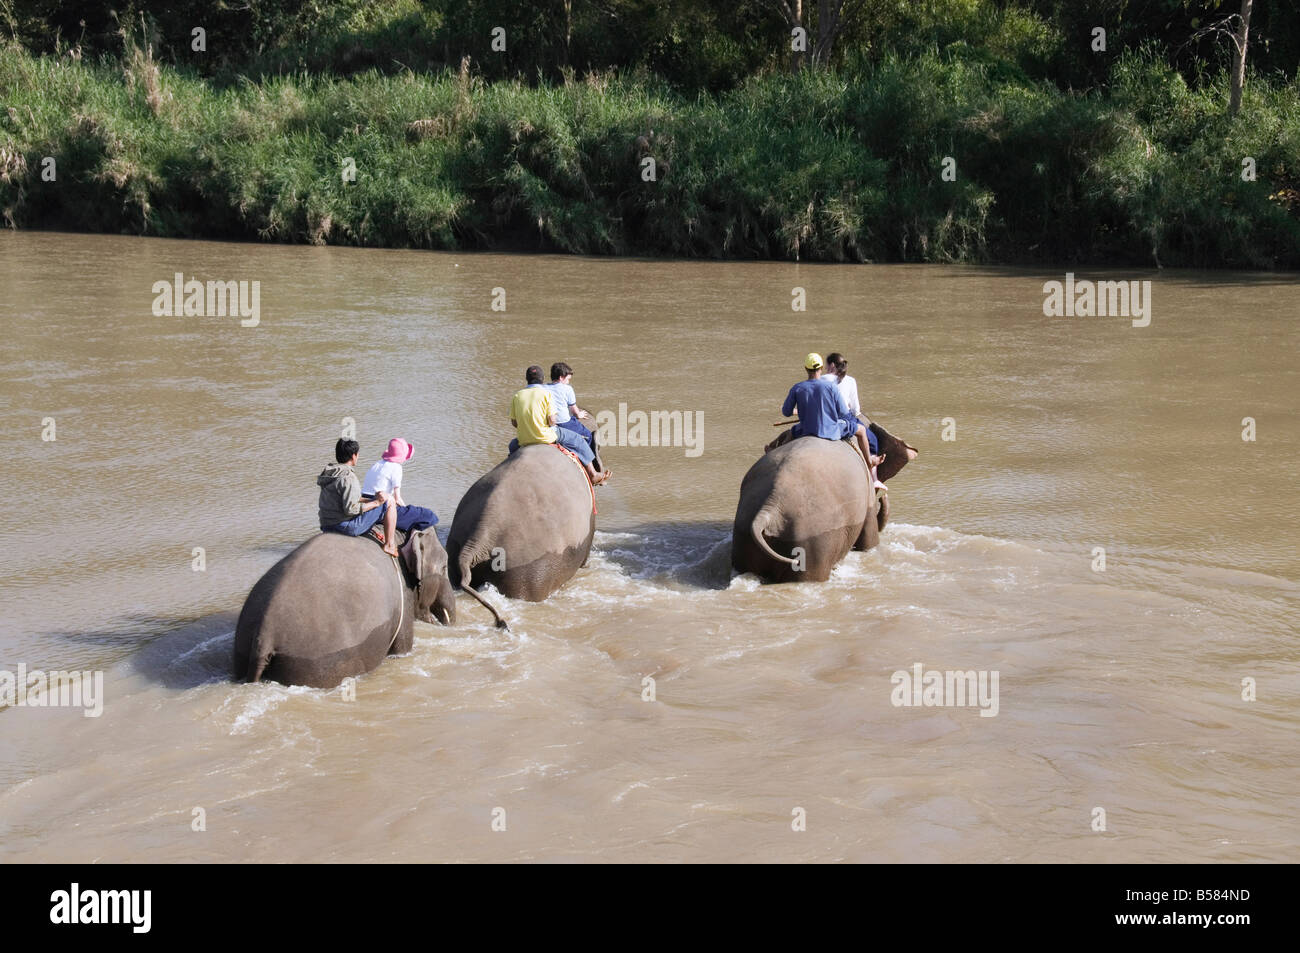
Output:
[[337, 606], [525, 526], [811, 497]]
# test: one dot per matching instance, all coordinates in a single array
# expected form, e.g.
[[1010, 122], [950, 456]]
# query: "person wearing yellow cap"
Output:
[[823, 413]]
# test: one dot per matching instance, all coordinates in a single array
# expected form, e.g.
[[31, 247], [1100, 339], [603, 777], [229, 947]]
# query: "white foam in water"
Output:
[[255, 701], [602, 537], [201, 647]]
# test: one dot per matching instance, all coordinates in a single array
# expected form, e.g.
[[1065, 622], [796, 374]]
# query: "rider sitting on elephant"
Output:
[[823, 413], [532, 413], [385, 477], [341, 508], [568, 414], [837, 373]]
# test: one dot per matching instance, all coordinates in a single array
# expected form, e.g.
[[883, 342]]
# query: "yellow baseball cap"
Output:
[[812, 361]]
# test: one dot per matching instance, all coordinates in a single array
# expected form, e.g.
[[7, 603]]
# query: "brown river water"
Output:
[[1119, 689]]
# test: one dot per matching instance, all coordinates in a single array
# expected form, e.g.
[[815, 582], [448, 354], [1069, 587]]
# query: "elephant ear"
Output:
[[413, 554], [433, 558], [895, 451]]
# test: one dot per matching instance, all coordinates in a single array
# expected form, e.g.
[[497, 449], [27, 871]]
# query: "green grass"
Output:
[[835, 166]]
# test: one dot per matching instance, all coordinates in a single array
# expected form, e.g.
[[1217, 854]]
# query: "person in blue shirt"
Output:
[[823, 413]]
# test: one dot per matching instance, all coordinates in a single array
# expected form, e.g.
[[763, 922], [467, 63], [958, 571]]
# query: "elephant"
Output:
[[525, 526], [337, 606], [812, 494]]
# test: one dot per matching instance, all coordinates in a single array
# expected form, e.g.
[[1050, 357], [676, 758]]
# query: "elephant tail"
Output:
[[258, 659], [760, 523], [466, 582]]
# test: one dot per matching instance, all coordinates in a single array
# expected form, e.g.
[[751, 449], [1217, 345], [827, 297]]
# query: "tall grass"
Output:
[[838, 166]]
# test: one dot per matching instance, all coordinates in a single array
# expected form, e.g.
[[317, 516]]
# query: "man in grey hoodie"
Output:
[[342, 510]]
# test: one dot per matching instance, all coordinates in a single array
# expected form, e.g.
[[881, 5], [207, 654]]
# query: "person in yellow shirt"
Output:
[[532, 414]]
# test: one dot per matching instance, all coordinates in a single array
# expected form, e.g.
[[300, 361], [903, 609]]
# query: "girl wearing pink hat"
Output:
[[386, 476]]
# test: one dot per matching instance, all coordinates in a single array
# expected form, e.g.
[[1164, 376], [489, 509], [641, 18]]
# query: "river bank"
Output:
[[912, 159]]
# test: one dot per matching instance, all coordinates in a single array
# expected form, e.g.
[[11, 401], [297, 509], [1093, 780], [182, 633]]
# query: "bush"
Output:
[[823, 165]]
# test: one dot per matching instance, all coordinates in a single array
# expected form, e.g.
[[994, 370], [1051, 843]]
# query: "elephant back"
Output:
[[535, 509], [329, 605], [809, 493], [820, 484]]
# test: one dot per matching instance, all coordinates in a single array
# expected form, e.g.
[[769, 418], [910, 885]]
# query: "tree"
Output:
[[1239, 39], [1236, 27], [828, 22]]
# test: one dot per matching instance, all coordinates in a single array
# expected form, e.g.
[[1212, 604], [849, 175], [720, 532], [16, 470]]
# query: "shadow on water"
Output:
[[131, 632], [178, 653], [697, 555], [195, 653]]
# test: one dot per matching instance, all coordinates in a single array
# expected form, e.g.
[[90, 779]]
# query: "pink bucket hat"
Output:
[[399, 451]]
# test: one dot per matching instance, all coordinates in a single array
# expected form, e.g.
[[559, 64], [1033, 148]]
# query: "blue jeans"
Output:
[[569, 441], [358, 525], [852, 423], [411, 519], [576, 426]]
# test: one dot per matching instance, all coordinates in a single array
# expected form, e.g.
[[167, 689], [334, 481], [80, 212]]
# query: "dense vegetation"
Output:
[[1061, 153]]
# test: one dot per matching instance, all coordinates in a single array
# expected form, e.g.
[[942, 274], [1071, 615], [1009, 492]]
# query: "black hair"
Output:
[[534, 374], [344, 450], [559, 369], [837, 360]]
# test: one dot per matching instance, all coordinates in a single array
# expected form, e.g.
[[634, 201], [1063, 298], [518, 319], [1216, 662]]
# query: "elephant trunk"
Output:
[[444, 607], [760, 523], [466, 581]]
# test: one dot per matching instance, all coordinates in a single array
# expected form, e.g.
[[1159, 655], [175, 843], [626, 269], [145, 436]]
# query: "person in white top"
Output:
[[836, 365], [385, 477], [836, 370], [567, 412]]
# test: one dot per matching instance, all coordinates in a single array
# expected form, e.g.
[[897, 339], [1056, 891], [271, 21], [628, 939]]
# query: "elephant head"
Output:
[[426, 560]]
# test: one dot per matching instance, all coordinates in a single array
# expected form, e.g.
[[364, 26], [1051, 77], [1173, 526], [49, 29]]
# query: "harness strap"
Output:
[[401, 603]]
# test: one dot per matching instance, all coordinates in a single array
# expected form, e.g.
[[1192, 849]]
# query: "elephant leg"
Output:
[[869, 538]]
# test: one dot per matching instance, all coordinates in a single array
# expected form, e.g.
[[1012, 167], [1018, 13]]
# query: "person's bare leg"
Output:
[[595, 476], [863, 445], [390, 527], [870, 460]]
